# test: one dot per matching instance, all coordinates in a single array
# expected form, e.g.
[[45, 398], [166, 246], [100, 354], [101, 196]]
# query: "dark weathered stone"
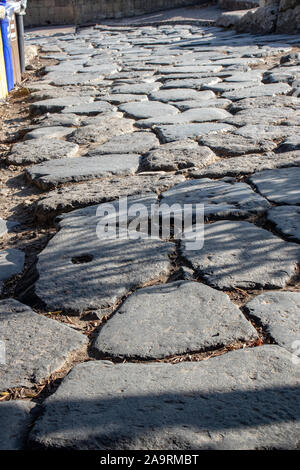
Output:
[[35, 346], [177, 318], [240, 254], [246, 399]]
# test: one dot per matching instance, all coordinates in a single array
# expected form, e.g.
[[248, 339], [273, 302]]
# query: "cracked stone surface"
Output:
[[52, 174], [16, 418], [55, 105], [176, 318], [177, 156], [170, 133], [71, 197], [220, 199], [11, 263], [240, 254], [136, 142], [36, 346], [279, 314], [182, 406], [147, 109], [280, 186], [286, 220], [102, 130], [114, 266], [6, 226], [40, 150], [248, 164]]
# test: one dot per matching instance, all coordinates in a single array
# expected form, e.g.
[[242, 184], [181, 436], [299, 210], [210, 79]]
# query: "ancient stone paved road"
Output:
[[177, 114]]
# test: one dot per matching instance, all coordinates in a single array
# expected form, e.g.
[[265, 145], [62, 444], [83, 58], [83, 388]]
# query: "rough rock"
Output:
[[136, 142], [36, 346], [248, 164], [49, 132], [16, 417], [147, 109], [73, 197], [11, 263], [220, 199], [40, 150], [257, 91], [51, 174], [171, 158], [78, 270], [279, 314], [240, 254], [286, 220], [246, 399], [6, 226], [174, 132], [56, 105], [280, 186], [176, 318], [90, 109]]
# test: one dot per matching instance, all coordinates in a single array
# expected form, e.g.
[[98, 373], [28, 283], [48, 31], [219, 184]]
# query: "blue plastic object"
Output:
[[4, 25]]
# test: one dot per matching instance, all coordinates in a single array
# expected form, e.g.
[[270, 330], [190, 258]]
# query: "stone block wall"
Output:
[[59, 12]]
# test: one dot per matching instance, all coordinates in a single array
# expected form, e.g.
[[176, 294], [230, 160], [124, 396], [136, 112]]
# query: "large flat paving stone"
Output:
[[135, 142], [286, 220], [78, 270], [6, 226], [265, 101], [280, 186], [188, 69], [91, 109], [136, 88], [11, 263], [55, 105], [231, 144], [257, 91], [256, 116], [290, 144], [245, 399], [172, 95], [192, 83], [176, 318], [177, 156], [41, 150], [16, 417], [248, 164], [122, 98], [266, 131], [240, 254], [49, 132], [279, 314], [169, 133], [147, 109], [58, 119], [102, 130], [220, 199], [51, 174], [74, 196], [35, 346], [203, 103]]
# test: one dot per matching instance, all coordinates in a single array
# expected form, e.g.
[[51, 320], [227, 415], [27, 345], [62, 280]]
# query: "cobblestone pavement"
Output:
[[144, 344]]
